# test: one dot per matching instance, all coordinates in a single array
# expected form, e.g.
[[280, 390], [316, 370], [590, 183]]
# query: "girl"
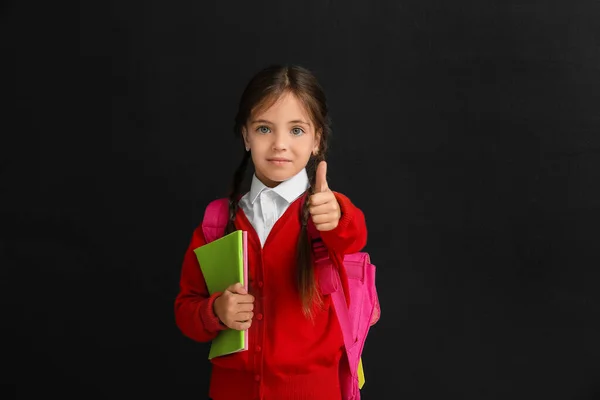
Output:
[[295, 341]]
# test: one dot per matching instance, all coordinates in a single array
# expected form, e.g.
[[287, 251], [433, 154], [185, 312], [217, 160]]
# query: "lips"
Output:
[[278, 159]]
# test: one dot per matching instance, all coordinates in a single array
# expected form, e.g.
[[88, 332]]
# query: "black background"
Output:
[[467, 131]]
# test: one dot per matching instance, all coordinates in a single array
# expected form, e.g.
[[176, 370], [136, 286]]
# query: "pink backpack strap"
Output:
[[330, 283], [215, 219], [341, 309], [350, 391]]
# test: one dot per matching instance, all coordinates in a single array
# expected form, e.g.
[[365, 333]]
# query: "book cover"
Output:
[[224, 262]]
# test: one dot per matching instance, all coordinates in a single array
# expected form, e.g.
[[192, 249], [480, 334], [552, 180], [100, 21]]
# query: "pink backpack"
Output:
[[355, 321]]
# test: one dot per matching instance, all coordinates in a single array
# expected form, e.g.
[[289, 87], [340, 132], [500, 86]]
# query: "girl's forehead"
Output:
[[286, 103]]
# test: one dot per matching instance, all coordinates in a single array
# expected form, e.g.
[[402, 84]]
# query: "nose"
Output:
[[280, 141]]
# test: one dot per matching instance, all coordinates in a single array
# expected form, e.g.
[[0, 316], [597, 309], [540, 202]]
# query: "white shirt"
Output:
[[263, 205]]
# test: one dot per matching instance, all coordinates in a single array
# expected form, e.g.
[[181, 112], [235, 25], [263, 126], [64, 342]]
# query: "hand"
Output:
[[234, 307], [324, 208]]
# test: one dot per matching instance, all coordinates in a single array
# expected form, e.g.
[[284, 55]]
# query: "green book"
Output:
[[224, 262]]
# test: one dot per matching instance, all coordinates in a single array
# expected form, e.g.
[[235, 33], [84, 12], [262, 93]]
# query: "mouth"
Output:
[[278, 160]]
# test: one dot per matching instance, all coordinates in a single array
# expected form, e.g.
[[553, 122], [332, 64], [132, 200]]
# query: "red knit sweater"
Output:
[[289, 357]]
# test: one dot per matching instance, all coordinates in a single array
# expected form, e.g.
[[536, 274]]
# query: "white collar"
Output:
[[289, 190]]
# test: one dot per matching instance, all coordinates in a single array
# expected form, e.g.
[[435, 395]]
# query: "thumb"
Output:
[[237, 288], [321, 177]]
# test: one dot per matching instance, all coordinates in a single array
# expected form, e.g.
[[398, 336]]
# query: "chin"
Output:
[[277, 175], [278, 178]]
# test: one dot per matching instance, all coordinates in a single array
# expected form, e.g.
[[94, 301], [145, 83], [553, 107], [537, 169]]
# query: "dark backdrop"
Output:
[[467, 131]]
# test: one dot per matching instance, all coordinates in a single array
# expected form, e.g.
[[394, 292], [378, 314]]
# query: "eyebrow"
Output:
[[264, 121]]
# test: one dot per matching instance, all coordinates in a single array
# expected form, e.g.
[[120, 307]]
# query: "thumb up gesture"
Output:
[[324, 208]]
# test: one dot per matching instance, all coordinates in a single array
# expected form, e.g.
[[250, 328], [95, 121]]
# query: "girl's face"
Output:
[[281, 140]]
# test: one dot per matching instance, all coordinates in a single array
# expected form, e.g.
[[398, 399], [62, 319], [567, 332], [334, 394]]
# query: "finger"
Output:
[[326, 208], [324, 218], [326, 226], [245, 307], [321, 178], [241, 326], [245, 299], [237, 288], [321, 198], [244, 316]]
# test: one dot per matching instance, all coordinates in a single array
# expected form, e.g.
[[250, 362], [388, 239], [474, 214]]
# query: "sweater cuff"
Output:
[[209, 319], [346, 216]]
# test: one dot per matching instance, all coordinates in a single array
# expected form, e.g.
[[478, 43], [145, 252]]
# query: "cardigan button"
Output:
[[257, 378], [258, 348], [260, 284], [259, 316]]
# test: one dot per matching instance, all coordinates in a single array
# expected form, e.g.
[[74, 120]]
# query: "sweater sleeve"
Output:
[[350, 236], [194, 313]]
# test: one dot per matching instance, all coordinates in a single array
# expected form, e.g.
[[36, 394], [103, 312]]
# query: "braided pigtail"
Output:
[[307, 285], [238, 178]]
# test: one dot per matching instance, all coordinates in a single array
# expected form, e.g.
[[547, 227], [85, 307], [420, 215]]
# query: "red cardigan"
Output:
[[289, 357]]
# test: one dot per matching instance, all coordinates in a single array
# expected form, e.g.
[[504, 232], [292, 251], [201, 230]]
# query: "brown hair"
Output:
[[261, 92]]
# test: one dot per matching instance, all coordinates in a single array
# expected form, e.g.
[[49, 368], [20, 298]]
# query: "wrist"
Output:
[[209, 316], [215, 313]]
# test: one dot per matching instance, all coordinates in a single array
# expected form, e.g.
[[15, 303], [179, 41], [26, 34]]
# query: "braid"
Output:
[[238, 177], [306, 277]]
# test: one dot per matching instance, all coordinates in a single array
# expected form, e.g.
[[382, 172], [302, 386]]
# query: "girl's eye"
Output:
[[297, 131], [263, 129]]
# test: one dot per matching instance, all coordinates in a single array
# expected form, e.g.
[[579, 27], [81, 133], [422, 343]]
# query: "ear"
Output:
[[317, 143], [245, 136]]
